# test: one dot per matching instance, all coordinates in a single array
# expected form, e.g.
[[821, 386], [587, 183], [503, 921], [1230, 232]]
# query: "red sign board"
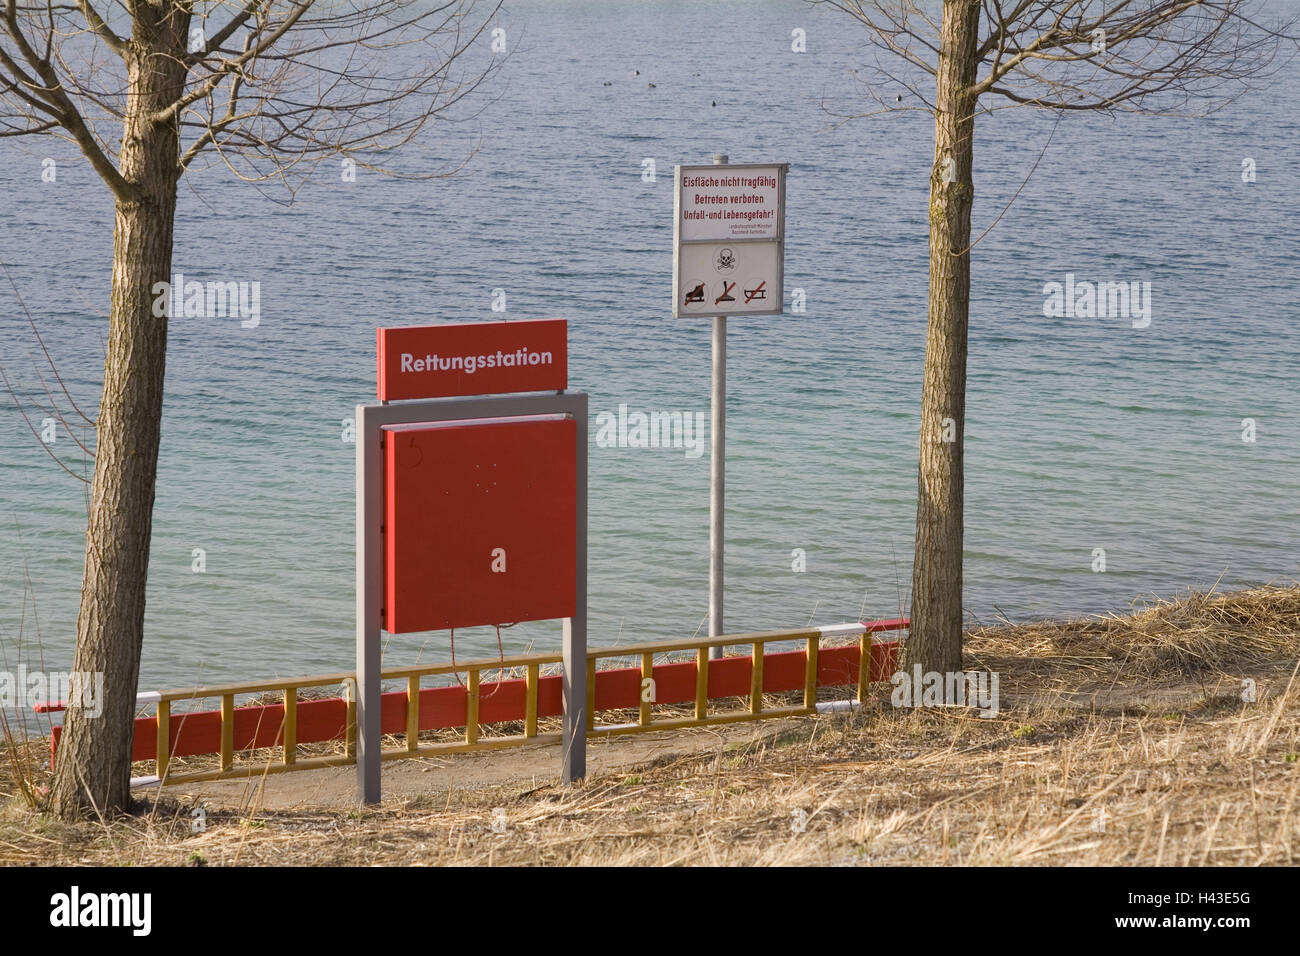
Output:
[[480, 522], [473, 358]]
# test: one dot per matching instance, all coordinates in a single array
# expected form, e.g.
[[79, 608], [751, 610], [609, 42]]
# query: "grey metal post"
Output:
[[370, 490], [574, 759], [718, 466]]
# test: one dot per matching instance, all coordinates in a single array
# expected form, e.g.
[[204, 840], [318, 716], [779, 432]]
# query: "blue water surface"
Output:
[[1083, 433]]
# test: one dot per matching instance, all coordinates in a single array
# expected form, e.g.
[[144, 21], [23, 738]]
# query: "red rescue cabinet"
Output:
[[479, 522]]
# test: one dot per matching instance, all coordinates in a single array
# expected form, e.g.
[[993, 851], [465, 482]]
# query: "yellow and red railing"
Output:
[[534, 696]]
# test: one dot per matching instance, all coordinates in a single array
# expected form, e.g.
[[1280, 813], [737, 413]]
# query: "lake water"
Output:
[[1083, 433]]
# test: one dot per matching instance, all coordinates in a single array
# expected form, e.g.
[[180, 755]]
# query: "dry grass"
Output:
[[1203, 633], [1165, 764]]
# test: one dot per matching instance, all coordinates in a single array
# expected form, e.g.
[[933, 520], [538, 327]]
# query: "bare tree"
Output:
[[1145, 56], [145, 88]]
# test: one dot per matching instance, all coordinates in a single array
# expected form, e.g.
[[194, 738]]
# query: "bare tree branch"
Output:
[[1147, 56], [281, 85], [115, 42], [48, 95]]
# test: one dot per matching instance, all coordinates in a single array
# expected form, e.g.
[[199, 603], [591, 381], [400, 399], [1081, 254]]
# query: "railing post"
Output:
[[413, 713], [164, 742], [350, 725], [647, 674], [290, 726], [471, 708], [756, 679], [591, 692], [864, 667], [810, 673], [531, 684], [702, 683], [227, 731]]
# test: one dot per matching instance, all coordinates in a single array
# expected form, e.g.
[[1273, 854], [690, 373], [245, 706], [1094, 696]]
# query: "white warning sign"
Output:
[[729, 202], [729, 240]]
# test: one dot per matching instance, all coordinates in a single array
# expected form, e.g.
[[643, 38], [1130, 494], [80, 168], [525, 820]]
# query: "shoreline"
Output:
[[1120, 740]]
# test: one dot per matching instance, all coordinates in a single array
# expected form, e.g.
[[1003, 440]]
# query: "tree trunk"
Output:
[[936, 629], [93, 767]]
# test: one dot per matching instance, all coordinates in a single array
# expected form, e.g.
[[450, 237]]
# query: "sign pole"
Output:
[[718, 467], [370, 587], [573, 761]]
